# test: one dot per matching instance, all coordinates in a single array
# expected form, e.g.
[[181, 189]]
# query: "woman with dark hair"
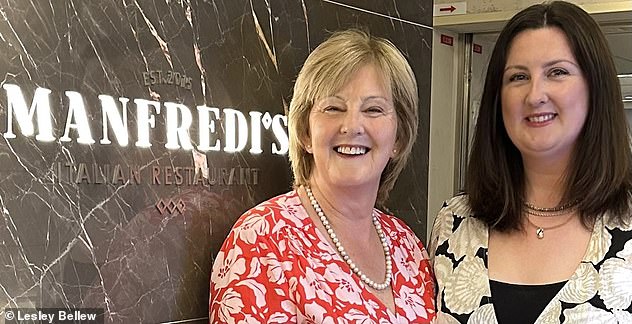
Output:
[[543, 233]]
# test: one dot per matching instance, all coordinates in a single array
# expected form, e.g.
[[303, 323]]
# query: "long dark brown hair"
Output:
[[599, 176]]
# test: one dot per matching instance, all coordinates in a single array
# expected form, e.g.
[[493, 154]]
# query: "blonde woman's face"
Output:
[[352, 133]]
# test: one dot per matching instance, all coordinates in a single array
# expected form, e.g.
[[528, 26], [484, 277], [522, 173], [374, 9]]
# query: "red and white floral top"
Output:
[[277, 267]]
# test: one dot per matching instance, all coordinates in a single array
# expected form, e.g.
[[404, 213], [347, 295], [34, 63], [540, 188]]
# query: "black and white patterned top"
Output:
[[600, 290]]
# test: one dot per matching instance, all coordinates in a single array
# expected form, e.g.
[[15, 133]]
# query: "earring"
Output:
[[308, 148], [394, 151]]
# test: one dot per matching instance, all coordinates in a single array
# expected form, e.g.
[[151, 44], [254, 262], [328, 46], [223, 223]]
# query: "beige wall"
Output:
[[443, 123], [487, 6]]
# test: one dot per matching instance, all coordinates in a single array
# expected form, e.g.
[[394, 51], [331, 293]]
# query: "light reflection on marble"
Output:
[[107, 245]]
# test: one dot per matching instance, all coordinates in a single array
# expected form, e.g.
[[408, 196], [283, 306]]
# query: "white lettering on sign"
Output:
[[178, 119]]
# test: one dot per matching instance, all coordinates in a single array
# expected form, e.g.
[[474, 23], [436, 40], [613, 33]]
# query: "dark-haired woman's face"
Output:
[[544, 94]]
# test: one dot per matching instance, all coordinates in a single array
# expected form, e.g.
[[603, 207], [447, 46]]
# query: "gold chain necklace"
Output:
[[560, 210], [549, 214], [539, 230]]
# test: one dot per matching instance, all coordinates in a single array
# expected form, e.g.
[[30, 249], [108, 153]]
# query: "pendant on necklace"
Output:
[[539, 232]]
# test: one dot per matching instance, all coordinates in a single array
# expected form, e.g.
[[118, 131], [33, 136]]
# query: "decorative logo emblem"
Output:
[[170, 206]]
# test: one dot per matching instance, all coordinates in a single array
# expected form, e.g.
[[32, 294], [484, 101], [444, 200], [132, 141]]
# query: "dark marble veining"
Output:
[[133, 229]]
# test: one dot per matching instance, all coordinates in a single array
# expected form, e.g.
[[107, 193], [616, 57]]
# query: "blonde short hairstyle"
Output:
[[326, 70]]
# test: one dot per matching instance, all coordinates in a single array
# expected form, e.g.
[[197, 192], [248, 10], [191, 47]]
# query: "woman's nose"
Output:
[[352, 122], [537, 92]]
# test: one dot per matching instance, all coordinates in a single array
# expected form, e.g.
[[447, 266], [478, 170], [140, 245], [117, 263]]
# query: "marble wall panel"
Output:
[[133, 229]]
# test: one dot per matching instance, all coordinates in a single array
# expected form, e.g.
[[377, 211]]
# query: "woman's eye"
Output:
[[517, 77], [558, 72], [332, 109], [375, 110]]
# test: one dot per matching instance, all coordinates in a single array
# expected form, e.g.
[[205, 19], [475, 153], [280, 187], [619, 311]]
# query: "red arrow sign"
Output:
[[450, 9]]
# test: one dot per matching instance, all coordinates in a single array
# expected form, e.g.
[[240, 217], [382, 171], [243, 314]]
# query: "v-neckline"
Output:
[[334, 253], [589, 251]]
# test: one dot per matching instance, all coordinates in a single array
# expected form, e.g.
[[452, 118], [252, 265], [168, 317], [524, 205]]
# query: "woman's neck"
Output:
[[350, 215], [545, 182], [350, 203]]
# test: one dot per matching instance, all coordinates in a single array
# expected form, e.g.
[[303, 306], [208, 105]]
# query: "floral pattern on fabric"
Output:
[[276, 267], [600, 290]]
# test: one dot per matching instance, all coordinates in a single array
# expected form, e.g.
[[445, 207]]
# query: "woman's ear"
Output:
[[307, 144], [395, 151]]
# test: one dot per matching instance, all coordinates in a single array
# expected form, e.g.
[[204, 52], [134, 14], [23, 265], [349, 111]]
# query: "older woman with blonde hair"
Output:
[[323, 252]]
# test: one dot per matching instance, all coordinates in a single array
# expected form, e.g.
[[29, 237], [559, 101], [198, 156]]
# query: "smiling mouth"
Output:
[[541, 118], [352, 150]]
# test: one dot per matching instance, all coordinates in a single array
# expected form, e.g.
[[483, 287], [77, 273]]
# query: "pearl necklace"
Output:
[[343, 253]]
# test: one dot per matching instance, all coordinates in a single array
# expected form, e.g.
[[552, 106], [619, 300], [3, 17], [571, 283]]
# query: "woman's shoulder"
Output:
[[618, 230], [457, 206], [455, 219], [455, 212], [272, 214], [619, 222], [263, 227], [391, 220], [285, 201], [394, 225]]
